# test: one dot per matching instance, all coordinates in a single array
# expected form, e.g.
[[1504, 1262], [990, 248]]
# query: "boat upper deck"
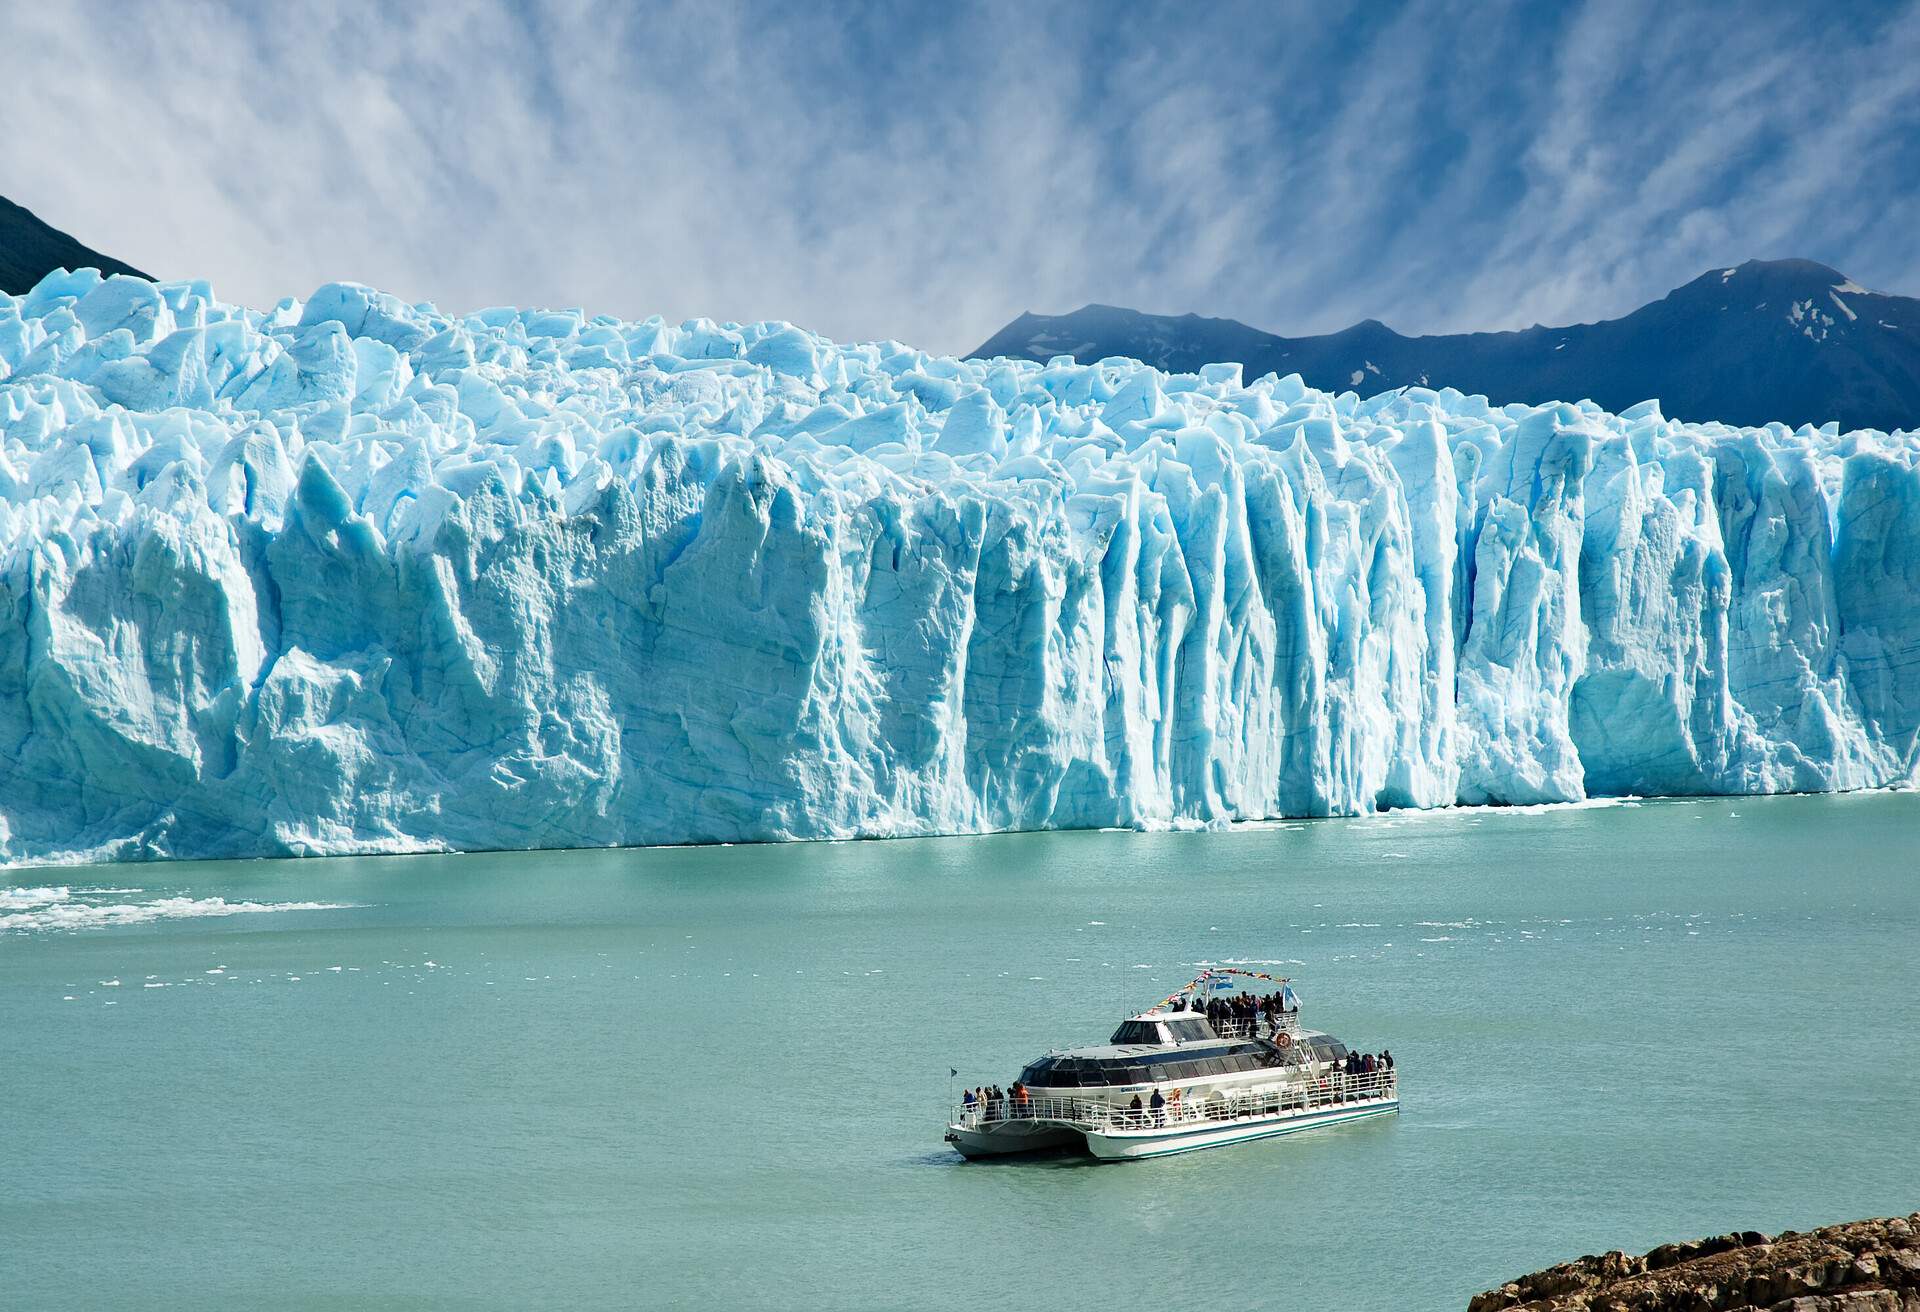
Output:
[[1154, 1028], [1121, 1065]]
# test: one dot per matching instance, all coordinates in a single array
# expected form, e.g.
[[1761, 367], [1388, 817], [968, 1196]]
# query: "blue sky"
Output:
[[927, 173]]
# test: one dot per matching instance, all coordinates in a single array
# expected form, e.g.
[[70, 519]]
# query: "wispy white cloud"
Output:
[[881, 173]]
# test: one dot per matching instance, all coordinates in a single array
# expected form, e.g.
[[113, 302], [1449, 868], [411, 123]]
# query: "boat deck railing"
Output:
[[1328, 1090], [1263, 1028]]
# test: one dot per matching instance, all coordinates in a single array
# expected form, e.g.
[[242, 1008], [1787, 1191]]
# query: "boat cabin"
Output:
[[1172, 1047]]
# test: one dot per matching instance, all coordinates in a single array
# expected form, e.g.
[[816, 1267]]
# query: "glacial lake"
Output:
[[716, 1077]]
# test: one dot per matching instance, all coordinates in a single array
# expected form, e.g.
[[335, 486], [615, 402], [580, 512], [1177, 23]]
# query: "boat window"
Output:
[[1038, 1073], [1191, 1031], [1136, 1031]]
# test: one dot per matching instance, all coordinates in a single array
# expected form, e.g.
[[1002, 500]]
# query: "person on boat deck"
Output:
[[1159, 1108], [1386, 1055], [967, 1099], [1134, 1108], [1022, 1100]]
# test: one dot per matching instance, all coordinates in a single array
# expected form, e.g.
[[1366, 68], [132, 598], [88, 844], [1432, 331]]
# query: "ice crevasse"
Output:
[[354, 575]]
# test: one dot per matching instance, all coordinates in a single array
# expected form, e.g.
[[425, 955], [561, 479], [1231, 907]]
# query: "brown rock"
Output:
[[1864, 1266]]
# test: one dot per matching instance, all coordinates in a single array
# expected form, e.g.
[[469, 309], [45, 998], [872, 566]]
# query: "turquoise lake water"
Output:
[[716, 1077]]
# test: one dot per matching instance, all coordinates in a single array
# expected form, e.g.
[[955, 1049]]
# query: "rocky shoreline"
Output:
[[1862, 1266]]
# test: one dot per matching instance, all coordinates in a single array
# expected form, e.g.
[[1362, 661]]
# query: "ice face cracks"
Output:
[[355, 575]]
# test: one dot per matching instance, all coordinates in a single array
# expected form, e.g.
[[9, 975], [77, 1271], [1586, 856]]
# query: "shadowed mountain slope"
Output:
[[1786, 340], [29, 250]]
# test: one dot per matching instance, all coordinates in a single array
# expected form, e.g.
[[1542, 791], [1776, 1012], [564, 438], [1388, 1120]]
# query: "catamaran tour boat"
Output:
[[1173, 1080]]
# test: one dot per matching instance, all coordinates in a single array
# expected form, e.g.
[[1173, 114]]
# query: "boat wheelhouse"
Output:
[[1176, 1078]]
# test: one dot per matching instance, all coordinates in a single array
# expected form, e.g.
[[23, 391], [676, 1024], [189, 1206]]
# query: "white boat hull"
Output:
[[1129, 1144], [1120, 1143]]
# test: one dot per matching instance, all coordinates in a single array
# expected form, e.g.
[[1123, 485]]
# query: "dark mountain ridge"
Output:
[[1787, 340], [30, 249]]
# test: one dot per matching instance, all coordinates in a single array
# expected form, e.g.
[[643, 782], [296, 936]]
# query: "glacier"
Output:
[[354, 575]]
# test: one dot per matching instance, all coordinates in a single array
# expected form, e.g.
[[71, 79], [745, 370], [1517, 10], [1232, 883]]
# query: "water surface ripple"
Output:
[[714, 1077]]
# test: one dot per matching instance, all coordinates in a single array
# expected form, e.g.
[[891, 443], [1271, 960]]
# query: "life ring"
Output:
[[1283, 1040]]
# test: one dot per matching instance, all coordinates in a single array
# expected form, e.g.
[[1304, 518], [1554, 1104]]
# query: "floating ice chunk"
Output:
[[74, 913]]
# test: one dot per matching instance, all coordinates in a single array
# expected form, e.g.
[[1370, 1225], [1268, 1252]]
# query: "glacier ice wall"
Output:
[[354, 575]]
